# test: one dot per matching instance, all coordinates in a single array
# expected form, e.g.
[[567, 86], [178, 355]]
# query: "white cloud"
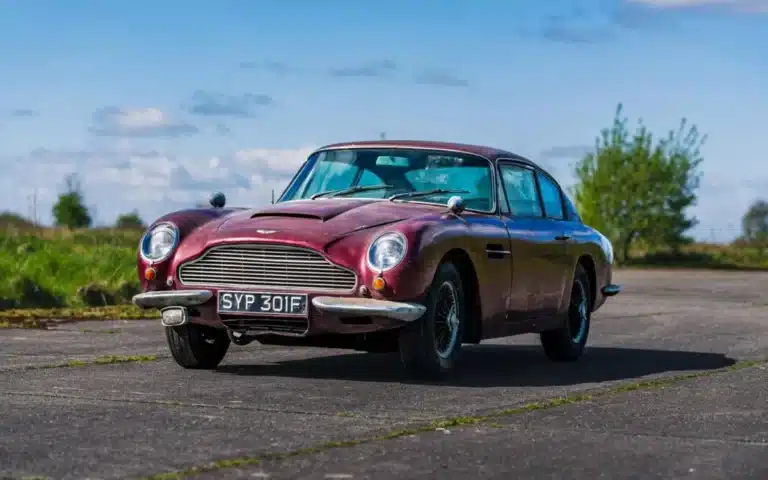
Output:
[[138, 122], [278, 163], [754, 6], [154, 182]]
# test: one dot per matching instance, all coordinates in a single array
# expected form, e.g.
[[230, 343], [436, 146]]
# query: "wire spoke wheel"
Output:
[[447, 319]]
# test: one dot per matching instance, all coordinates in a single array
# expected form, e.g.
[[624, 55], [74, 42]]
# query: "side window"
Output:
[[520, 186], [550, 194]]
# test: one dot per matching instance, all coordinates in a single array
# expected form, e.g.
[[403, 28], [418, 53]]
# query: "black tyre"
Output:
[[197, 346], [567, 343], [432, 345]]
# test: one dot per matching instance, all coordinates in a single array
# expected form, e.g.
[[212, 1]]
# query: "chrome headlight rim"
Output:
[[166, 226], [396, 236]]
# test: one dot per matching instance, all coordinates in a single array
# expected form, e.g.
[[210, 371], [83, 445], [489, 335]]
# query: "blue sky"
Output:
[[156, 103]]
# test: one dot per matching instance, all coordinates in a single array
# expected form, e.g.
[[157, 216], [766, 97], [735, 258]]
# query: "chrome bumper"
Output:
[[172, 298], [611, 290], [342, 306], [346, 306]]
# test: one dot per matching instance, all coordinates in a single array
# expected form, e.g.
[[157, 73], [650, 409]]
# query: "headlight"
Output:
[[158, 243], [387, 251]]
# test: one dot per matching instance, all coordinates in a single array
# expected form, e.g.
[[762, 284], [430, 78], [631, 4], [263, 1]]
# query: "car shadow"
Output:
[[495, 366]]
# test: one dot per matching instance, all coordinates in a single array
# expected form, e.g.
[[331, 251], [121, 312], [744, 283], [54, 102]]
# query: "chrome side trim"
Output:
[[406, 312], [500, 252], [172, 298], [611, 290]]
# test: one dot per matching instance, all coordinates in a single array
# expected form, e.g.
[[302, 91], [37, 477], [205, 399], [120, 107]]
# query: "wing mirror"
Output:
[[456, 205], [217, 200]]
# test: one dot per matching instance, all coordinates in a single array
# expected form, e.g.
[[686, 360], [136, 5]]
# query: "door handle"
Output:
[[563, 237]]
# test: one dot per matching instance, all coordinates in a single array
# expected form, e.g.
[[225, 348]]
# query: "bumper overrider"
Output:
[[173, 303]]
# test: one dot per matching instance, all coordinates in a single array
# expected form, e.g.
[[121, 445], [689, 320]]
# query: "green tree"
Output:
[[755, 225], [130, 220], [635, 188], [70, 210]]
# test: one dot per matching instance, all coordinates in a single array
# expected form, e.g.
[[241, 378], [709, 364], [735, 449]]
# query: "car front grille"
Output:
[[266, 266]]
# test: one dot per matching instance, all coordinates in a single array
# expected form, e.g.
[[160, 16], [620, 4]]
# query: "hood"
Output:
[[315, 223]]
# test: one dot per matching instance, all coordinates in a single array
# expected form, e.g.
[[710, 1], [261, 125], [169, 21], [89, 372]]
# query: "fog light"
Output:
[[150, 273], [173, 316], [378, 284]]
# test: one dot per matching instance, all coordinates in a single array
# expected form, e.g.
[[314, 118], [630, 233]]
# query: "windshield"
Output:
[[398, 170]]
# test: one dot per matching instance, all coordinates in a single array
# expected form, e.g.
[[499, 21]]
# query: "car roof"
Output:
[[491, 153]]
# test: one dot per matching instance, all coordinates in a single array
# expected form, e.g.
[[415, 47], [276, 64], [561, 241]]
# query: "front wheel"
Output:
[[432, 346], [567, 343], [197, 346]]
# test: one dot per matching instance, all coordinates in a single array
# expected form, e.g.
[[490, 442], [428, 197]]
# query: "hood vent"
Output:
[[287, 214]]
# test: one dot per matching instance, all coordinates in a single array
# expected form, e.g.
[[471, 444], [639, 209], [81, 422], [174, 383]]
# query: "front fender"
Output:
[[428, 243], [187, 221]]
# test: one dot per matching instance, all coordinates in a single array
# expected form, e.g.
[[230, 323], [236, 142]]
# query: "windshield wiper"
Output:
[[347, 191], [426, 193]]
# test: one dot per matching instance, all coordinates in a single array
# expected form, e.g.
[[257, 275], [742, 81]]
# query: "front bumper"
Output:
[[339, 306], [356, 306], [172, 298]]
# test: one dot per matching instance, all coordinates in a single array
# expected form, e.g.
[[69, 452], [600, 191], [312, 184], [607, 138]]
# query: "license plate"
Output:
[[253, 303]]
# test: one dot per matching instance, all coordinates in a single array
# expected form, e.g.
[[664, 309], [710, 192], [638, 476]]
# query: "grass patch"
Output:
[[102, 360], [31, 323], [704, 256], [490, 419], [58, 267], [107, 360], [42, 318]]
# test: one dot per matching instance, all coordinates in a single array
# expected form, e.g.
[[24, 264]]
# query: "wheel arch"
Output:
[[588, 264], [463, 262]]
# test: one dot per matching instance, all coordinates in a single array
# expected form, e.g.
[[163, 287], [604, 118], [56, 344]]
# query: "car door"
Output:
[[561, 230], [535, 242]]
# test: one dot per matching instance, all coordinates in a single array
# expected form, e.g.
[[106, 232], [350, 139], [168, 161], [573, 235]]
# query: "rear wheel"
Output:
[[567, 343], [432, 345], [197, 346]]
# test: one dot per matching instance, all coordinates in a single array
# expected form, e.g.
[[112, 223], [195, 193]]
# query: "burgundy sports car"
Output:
[[382, 246]]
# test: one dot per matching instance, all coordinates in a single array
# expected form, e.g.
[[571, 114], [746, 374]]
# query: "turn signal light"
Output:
[[378, 284], [150, 273]]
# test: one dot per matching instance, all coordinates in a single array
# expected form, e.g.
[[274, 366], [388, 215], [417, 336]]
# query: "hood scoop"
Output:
[[288, 215], [320, 209]]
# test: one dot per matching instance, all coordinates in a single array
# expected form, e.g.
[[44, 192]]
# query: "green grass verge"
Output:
[[48, 267], [490, 419], [703, 256], [59, 268], [41, 318]]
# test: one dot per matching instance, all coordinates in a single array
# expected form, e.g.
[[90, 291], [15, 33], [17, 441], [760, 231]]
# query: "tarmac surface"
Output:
[[674, 385]]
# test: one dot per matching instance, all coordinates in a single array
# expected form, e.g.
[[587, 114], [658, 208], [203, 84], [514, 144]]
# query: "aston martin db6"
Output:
[[382, 246]]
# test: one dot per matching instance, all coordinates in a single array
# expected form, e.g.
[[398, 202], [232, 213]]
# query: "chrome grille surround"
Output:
[[266, 265]]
